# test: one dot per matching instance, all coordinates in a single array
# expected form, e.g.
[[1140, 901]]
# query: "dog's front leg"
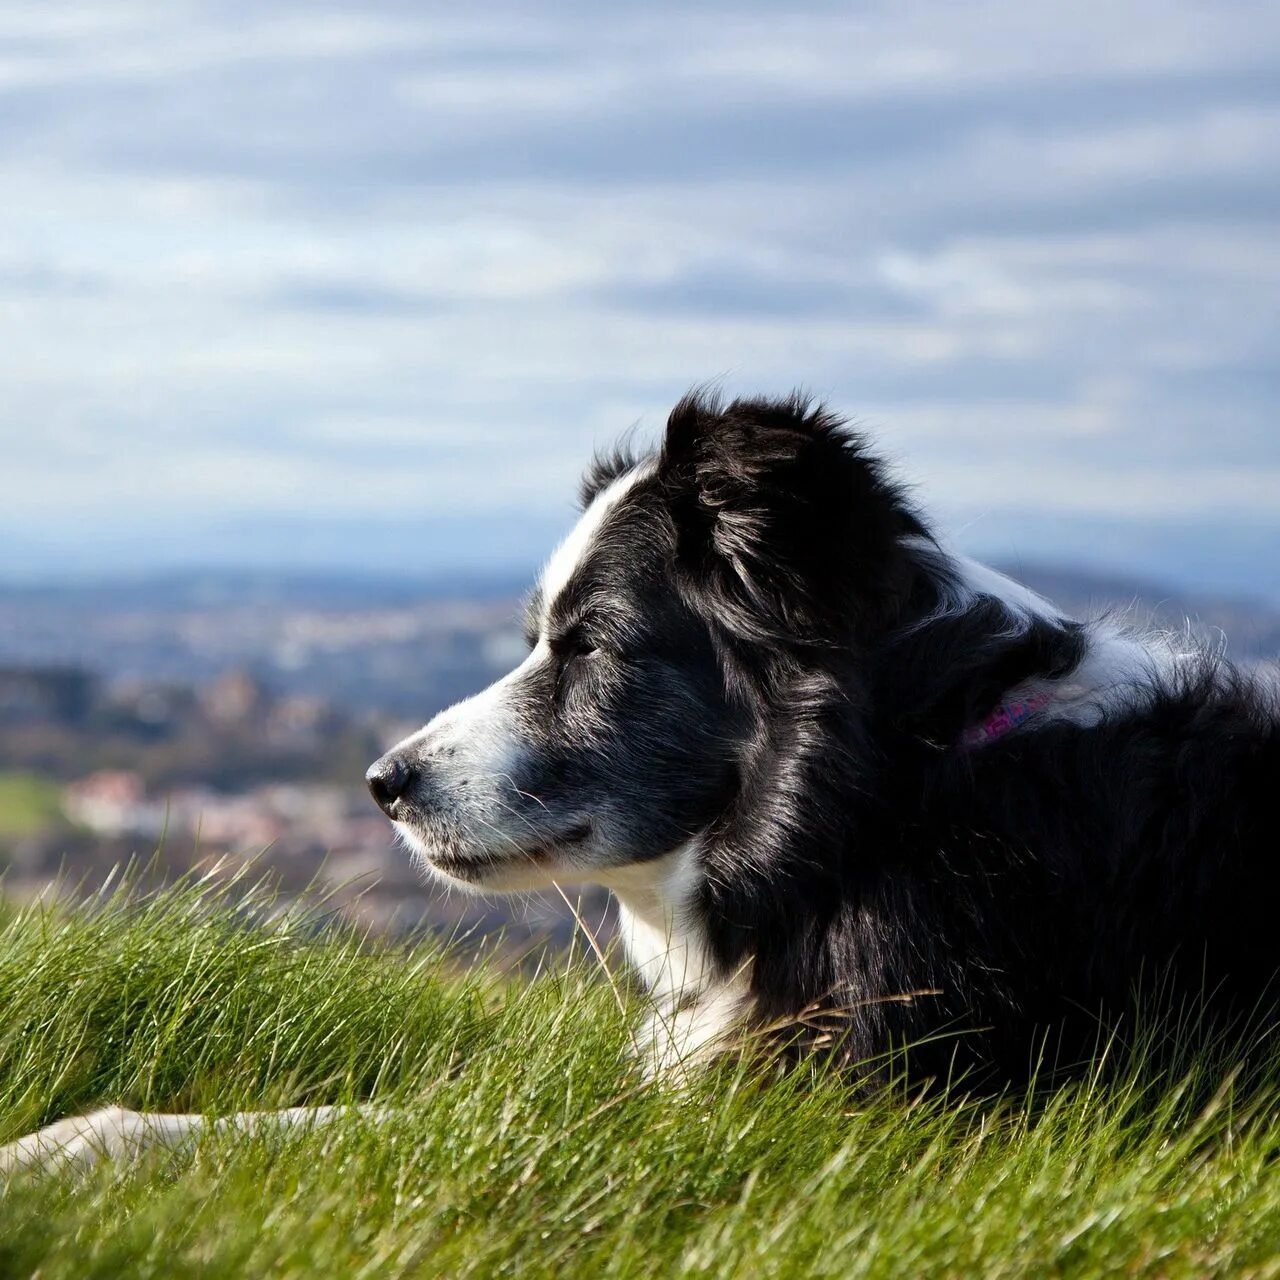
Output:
[[117, 1133]]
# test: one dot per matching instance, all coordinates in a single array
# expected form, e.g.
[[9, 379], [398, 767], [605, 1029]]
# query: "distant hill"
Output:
[[122, 625], [197, 588]]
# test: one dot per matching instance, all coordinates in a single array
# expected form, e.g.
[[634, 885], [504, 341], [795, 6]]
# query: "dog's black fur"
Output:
[[1036, 884]]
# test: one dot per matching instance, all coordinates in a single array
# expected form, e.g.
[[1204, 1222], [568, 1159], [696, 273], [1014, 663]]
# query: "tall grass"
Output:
[[525, 1143]]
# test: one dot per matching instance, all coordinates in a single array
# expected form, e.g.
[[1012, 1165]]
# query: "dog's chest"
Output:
[[695, 1007]]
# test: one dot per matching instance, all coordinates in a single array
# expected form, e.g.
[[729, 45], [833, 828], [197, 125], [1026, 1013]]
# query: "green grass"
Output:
[[27, 805], [526, 1144]]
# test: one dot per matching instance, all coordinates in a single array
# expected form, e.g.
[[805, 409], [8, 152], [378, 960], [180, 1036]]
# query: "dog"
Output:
[[854, 793], [847, 786]]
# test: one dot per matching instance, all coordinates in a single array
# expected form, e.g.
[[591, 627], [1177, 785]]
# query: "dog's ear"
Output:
[[786, 528]]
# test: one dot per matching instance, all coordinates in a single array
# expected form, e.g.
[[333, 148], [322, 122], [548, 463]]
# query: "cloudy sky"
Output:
[[360, 285]]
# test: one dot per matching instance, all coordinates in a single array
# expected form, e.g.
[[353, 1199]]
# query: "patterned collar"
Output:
[[1006, 717]]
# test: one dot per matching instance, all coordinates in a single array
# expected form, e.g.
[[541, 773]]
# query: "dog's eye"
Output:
[[574, 645]]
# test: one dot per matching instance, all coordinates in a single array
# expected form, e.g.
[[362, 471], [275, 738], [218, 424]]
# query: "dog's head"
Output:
[[759, 539]]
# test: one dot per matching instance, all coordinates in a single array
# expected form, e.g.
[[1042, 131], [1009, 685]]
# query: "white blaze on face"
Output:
[[566, 558], [483, 725]]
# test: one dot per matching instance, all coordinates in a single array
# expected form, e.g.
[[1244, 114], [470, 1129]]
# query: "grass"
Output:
[[527, 1145], [27, 805]]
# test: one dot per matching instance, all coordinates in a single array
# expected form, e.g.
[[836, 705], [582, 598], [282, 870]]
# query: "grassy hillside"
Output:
[[27, 804], [527, 1146]]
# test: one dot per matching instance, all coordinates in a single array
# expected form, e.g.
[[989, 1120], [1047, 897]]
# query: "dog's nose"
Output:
[[388, 780]]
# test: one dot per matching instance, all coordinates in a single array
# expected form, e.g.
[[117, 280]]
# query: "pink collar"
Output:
[[1005, 718]]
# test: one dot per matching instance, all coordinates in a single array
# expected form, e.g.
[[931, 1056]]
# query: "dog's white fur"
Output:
[[693, 1009], [566, 558], [1116, 667]]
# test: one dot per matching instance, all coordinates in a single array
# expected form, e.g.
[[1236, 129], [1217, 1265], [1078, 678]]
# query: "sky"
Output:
[[360, 286]]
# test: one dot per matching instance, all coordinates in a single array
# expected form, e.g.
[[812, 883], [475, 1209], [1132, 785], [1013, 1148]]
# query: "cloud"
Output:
[[280, 263]]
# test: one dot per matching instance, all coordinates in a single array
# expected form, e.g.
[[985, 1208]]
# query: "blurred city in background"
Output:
[[230, 718], [310, 315]]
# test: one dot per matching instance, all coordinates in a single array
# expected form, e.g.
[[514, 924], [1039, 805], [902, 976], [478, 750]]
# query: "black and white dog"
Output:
[[846, 783], [848, 788]]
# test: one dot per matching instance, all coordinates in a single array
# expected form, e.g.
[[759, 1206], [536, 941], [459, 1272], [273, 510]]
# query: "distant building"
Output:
[[113, 802], [234, 698]]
